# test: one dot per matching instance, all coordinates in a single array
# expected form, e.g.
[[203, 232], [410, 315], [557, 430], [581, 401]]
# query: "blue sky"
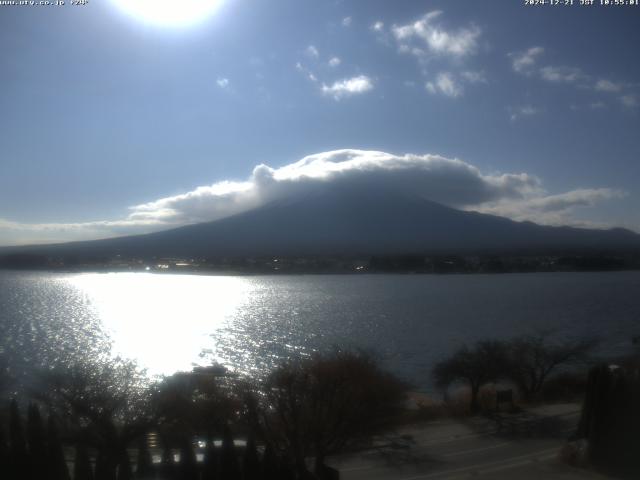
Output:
[[111, 124]]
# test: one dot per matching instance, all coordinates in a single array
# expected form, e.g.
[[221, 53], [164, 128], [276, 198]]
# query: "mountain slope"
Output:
[[336, 222]]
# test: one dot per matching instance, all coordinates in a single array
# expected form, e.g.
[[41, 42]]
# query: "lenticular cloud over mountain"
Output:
[[443, 180], [449, 181]]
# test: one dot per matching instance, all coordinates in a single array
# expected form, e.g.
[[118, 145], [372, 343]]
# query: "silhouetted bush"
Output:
[[200, 402]]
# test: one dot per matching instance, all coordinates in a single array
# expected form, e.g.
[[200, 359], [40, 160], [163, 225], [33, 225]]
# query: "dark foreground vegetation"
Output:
[[100, 418], [104, 424], [607, 435], [526, 362], [542, 370], [525, 262]]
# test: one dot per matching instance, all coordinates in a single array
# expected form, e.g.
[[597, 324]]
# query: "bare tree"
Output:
[[531, 359], [475, 366], [328, 403]]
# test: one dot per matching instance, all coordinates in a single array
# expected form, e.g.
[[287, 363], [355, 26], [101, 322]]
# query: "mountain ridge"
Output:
[[336, 222]]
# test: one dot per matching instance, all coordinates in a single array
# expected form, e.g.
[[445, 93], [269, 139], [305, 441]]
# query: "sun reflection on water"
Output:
[[163, 321]]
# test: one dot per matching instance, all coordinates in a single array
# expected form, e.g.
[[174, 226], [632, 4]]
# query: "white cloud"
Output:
[[312, 52], [15, 233], [524, 62], [223, 82], [434, 39], [348, 87], [629, 101], [523, 111], [306, 72], [605, 85], [437, 47], [339, 89], [452, 85], [446, 85], [346, 21], [474, 77], [334, 62], [551, 209], [448, 181], [584, 197], [377, 26], [562, 74]]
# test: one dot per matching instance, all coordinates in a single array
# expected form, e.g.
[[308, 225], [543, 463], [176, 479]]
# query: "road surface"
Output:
[[525, 447]]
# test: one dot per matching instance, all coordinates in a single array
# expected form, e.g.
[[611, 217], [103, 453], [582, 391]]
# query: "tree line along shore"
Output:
[[408, 263]]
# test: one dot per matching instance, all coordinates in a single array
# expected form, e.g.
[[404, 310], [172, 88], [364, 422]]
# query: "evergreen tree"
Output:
[[270, 470], [57, 464], [124, 466], [82, 465], [105, 468], [286, 471], [188, 463], [144, 468], [167, 468], [229, 469], [4, 453], [36, 437], [250, 461], [210, 469], [18, 454]]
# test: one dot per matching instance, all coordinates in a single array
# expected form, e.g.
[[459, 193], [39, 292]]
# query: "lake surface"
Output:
[[168, 322]]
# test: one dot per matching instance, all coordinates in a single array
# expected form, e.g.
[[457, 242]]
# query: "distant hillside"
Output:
[[335, 222]]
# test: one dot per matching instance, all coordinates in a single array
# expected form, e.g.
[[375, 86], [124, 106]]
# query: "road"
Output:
[[526, 447]]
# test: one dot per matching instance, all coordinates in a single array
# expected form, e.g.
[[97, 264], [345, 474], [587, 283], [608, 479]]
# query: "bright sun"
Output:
[[169, 12]]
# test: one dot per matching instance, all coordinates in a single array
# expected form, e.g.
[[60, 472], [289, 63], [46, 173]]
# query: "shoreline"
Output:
[[231, 272]]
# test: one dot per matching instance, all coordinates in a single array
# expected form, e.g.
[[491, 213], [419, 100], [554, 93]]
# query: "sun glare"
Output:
[[169, 12], [162, 321]]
